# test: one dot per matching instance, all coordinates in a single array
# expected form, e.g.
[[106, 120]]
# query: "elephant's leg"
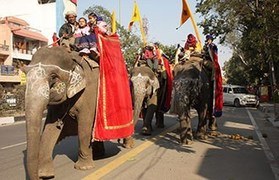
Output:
[[147, 127], [212, 125], [160, 119], [85, 124], [185, 130], [48, 140], [201, 131], [148, 116]]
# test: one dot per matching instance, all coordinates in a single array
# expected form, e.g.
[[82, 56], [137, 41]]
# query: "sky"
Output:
[[163, 18]]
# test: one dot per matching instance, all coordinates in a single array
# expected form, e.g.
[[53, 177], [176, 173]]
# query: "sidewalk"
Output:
[[268, 109]]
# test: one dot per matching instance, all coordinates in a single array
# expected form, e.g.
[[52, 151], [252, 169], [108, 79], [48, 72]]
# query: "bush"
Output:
[[6, 110], [275, 96]]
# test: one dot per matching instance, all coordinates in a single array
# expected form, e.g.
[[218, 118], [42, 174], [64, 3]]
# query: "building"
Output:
[[25, 26], [18, 42]]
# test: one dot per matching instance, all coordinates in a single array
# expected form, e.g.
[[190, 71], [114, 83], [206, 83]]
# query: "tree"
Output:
[[254, 26]]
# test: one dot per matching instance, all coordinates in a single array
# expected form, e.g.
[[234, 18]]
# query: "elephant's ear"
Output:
[[155, 84], [77, 81]]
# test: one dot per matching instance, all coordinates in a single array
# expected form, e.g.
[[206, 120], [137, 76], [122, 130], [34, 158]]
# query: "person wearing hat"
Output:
[[211, 63], [190, 46], [149, 55], [67, 30]]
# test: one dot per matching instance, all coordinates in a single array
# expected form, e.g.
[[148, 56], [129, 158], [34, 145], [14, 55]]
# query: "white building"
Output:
[[39, 16]]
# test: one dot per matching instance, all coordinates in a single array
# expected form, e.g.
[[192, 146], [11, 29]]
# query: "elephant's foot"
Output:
[[214, 133], [212, 125], [186, 142], [160, 125], [84, 164], [128, 142], [46, 171], [187, 138], [146, 131], [201, 136]]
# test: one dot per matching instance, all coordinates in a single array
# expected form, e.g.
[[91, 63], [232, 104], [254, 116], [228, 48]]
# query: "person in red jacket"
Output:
[[150, 56]]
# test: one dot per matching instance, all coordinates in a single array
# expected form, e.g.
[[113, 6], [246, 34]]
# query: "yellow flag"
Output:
[[113, 22], [135, 16], [185, 12]]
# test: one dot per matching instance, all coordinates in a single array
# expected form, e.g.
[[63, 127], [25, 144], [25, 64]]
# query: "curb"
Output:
[[269, 114], [11, 120]]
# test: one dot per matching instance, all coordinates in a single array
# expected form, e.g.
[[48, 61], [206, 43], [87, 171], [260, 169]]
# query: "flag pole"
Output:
[[142, 32], [194, 24]]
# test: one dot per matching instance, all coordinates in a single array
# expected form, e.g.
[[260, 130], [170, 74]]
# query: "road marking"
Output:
[[270, 157], [14, 145], [99, 173]]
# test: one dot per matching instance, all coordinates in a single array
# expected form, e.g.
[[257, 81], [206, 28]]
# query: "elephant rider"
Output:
[[210, 56], [67, 30], [150, 56], [159, 53], [190, 47], [208, 50]]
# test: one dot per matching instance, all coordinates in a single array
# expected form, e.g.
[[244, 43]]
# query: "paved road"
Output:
[[161, 157]]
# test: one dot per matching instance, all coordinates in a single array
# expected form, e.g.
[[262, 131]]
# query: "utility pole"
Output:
[[119, 13]]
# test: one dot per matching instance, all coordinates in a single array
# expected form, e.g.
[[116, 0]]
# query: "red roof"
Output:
[[16, 20], [30, 34]]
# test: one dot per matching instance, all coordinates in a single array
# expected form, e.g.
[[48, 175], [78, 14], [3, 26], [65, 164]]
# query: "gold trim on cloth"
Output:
[[104, 89]]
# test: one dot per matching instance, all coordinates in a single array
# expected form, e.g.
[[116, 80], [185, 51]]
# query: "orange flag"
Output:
[[185, 13]]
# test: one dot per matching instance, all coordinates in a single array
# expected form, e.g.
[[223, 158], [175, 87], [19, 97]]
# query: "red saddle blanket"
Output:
[[114, 116]]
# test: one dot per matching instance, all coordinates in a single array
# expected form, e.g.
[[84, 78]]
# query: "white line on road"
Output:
[[14, 145], [270, 157]]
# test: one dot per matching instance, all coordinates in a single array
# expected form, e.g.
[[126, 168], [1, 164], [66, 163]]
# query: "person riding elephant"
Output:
[[210, 56], [67, 30], [150, 56]]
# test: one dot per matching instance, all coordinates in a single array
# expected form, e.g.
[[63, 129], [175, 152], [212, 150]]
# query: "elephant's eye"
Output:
[[52, 79]]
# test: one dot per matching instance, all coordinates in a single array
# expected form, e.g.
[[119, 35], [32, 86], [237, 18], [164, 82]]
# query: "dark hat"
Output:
[[99, 18], [209, 36]]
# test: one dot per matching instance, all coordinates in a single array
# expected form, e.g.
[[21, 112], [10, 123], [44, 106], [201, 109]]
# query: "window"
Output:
[[240, 90], [225, 90]]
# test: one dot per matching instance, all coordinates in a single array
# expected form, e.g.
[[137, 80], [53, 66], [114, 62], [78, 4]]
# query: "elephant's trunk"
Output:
[[138, 101], [36, 99]]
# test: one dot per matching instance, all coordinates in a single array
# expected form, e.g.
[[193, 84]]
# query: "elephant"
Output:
[[66, 85], [191, 89], [145, 86]]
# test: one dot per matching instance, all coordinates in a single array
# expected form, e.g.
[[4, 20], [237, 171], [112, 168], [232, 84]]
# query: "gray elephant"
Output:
[[190, 90], [66, 85], [145, 87]]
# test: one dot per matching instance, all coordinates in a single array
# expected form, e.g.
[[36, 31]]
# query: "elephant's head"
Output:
[[144, 86], [53, 75]]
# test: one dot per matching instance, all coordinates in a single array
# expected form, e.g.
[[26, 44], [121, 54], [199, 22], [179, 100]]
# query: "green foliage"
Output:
[[275, 96], [254, 25], [6, 110]]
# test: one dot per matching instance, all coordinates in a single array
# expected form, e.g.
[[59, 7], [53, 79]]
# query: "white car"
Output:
[[238, 96]]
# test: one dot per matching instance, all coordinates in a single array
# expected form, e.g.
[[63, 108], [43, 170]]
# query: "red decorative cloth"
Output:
[[218, 85], [114, 117], [169, 84]]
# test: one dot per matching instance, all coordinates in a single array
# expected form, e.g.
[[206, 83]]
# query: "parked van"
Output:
[[239, 96]]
